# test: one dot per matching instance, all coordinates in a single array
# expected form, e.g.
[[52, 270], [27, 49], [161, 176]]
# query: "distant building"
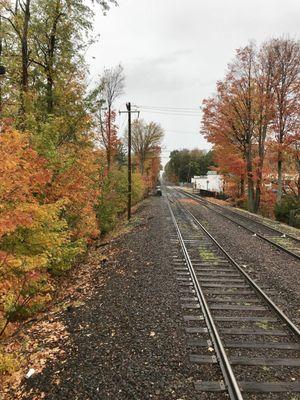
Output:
[[211, 181]]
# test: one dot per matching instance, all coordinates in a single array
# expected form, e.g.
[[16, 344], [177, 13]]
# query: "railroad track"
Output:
[[231, 322], [283, 241]]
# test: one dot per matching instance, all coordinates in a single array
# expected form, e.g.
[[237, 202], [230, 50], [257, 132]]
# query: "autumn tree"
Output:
[[43, 47], [51, 168], [108, 90], [108, 136], [146, 141], [285, 72], [34, 238], [264, 114], [240, 114], [17, 14]]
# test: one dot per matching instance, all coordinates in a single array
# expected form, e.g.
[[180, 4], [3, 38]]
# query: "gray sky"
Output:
[[174, 51]]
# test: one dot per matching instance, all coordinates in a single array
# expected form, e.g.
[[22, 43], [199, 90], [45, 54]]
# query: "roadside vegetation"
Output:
[[63, 165]]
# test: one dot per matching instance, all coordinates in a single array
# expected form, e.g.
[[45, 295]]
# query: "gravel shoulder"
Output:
[[127, 339]]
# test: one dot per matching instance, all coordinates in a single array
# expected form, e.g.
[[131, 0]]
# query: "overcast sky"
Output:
[[174, 51]]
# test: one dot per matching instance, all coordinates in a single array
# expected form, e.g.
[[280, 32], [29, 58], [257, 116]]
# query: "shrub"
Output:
[[28, 254], [8, 363], [282, 210], [76, 181], [113, 198], [34, 236]]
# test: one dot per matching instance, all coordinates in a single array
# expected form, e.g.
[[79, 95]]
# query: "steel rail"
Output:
[[239, 213], [229, 377], [291, 253], [266, 298]]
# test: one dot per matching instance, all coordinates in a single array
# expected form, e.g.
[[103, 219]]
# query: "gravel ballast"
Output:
[[128, 340], [270, 267]]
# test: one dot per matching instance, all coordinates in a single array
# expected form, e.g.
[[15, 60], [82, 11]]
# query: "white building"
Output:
[[212, 182]]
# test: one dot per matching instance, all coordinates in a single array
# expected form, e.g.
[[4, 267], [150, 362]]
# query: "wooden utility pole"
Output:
[[128, 106], [129, 193], [109, 138]]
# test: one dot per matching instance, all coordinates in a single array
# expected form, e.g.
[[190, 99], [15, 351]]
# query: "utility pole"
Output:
[[129, 193], [128, 106], [109, 138]]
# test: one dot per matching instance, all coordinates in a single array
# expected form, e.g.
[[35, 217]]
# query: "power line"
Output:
[[175, 114], [175, 130], [169, 108], [122, 126], [182, 132]]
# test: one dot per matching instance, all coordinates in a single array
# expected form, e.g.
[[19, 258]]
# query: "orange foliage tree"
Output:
[[76, 181], [34, 238], [243, 119]]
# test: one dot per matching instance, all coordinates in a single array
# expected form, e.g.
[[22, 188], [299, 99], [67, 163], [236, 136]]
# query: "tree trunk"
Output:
[[25, 63], [50, 103], [259, 170], [250, 195], [109, 139], [279, 177], [51, 52], [142, 165], [259, 173], [298, 182], [24, 81], [279, 153], [250, 183], [242, 186], [257, 196]]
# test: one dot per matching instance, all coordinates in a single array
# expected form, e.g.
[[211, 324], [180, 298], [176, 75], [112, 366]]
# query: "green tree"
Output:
[[184, 164]]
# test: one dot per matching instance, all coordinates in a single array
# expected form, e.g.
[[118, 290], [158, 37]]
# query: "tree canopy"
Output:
[[184, 164], [253, 121]]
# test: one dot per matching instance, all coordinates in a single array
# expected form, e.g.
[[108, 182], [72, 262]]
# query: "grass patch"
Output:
[[284, 242], [264, 325], [8, 363], [207, 255]]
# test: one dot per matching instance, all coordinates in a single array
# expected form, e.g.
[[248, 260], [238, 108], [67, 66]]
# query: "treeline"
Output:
[[253, 121], [63, 169], [184, 164]]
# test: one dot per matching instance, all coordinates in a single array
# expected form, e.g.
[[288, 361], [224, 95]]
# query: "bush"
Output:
[[76, 181], [28, 254], [283, 210], [8, 363], [34, 235], [113, 199]]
